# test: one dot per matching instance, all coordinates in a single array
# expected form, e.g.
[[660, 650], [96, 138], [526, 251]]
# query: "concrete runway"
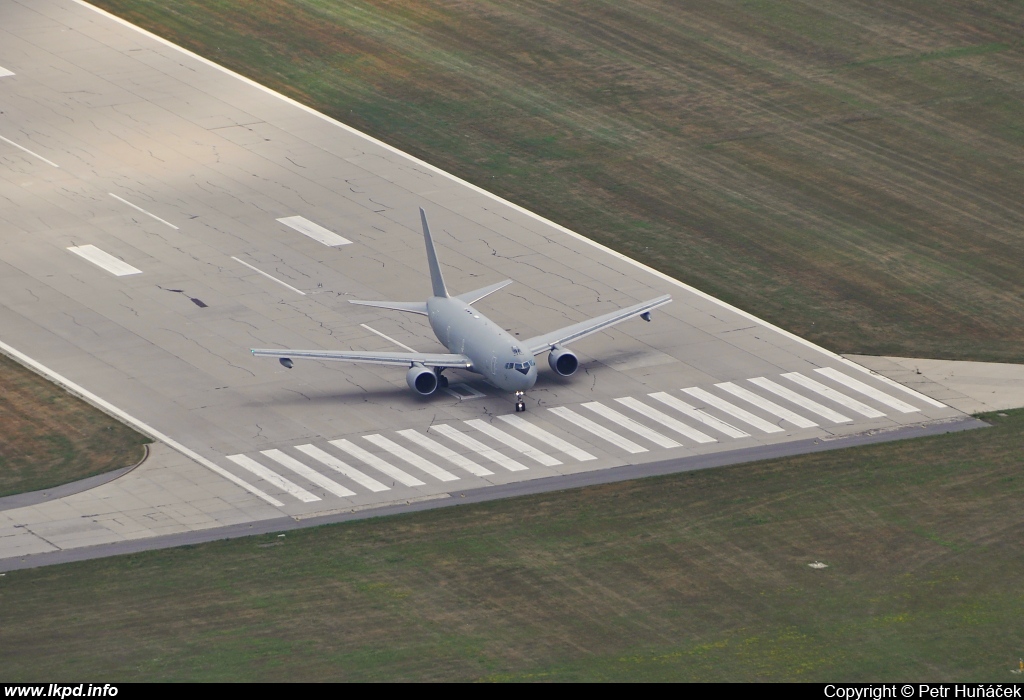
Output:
[[142, 254]]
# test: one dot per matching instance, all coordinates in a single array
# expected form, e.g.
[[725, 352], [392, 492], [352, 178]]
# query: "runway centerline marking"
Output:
[[515, 443], [631, 425], [445, 453], [315, 231], [31, 153], [799, 400], [147, 213], [597, 429], [387, 337], [547, 438], [273, 477], [867, 390], [101, 258], [837, 396], [269, 277], [732, 409]]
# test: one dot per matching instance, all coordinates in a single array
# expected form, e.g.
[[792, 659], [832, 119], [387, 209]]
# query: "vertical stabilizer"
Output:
[[436, 280]]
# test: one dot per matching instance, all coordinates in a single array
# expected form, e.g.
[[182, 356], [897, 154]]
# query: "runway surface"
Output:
[[159, 216]]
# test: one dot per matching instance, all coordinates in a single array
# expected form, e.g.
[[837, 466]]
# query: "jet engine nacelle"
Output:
[[421, 380], [563, 362]]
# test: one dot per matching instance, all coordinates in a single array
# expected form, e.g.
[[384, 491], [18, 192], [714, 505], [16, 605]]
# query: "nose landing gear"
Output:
[[520, 404]]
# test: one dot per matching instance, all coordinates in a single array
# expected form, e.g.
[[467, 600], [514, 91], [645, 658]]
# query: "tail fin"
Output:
[[436, 280]]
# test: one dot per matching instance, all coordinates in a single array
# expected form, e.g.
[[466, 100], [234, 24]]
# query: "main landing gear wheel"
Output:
[[520, 404]]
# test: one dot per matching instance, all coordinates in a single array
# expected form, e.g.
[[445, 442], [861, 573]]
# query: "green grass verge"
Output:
[[696, 576], [850, 172], [49, 437]]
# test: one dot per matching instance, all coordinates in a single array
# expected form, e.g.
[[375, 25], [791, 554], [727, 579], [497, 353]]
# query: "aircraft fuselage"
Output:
[[494, 353]]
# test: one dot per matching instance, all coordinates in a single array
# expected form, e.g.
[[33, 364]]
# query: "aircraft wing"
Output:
[[373, 358], [564, 336]]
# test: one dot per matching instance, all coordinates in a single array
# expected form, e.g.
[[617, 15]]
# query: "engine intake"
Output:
[[421, 380], [563, 362]]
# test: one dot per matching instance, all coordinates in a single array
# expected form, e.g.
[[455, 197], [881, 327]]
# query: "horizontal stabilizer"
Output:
[[410, 307], [475, 296], [374, 358], [564, 336]]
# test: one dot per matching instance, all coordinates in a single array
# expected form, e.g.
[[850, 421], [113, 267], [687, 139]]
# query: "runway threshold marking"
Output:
[[4, 72], [732, 409], [387, 337], [411, 457], [441, 451], [547, 438], [337, 465], [315, 231], [515, 443], [597, 429], [377, 463], [799, 400], [867, 390], [147, 213], [270, 277], [250, 464], [101, 258], [311, 475], [667, 421], [31, 153], [767, 406], [698, 415], [631, 425], [830, 393], [478, 447]]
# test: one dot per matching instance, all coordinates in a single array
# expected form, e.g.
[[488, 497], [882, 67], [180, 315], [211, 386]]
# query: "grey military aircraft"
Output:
[[474, 342]]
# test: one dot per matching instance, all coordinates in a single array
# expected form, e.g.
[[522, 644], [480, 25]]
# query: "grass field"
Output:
[[696, 576], [48, 437], [849, 170]]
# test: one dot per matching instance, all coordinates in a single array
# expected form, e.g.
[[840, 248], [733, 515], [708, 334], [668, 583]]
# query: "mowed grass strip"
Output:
[[696, 576], [849, 171], [49, 437]]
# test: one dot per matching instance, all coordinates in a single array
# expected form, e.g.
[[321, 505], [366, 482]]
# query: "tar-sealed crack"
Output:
[[80, 325], [199, 345]]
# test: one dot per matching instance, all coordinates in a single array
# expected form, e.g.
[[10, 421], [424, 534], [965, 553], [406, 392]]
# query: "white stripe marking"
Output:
[[272, 477], [867, 390], [135, 206], [387, 337], [894, 384], [442, 451], [411, 457], [766, 405], [256, 269], [667, 421], [698, 415], [134, 422], [310, 475], [315, 231], [108, 262], [337, 465], [631, 425], [830, 393], [377, 463], [790, 395], [598, 430], [5, 73], [515, 443], [732, 409], [31, 153], [478, 447], [544, 436]]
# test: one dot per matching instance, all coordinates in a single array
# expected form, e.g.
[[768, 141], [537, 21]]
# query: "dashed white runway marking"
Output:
[[138, 208], [310, 475], [547, 438], [799, 400], [766, 405], [867, 390], [597, 429], [631, 425], [273, 478], [108, 262], [315, 231], [732, 409], [515, 443], [411, 457], [445, 453], [337, 465], [830, 393], [31, 153], [4, 72], [387, 337], [377, 463], [698, 415], [478, 447], [668, 421], [269, 277]]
